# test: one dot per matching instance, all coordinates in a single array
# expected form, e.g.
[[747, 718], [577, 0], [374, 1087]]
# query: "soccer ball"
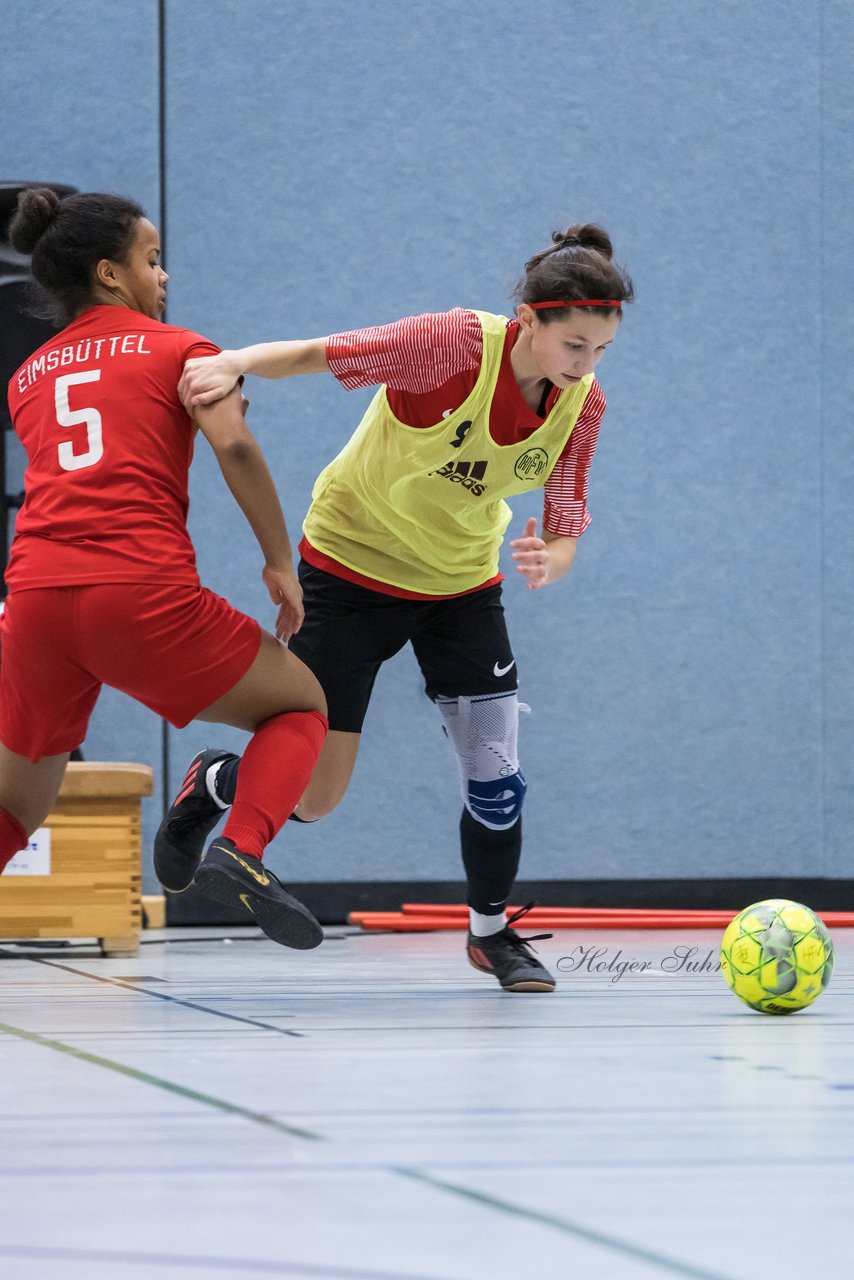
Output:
[[777, 956]]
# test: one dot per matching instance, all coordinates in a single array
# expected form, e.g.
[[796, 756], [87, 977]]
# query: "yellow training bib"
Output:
[[423, 508]]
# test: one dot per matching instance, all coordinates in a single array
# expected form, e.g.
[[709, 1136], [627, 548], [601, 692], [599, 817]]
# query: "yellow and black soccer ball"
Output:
[[777, 956]]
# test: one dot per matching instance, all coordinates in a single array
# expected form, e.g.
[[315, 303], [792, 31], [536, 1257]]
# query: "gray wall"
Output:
[[343, 163]]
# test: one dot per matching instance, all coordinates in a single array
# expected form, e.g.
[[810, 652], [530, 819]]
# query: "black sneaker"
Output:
[[240, 881], [508, 958], [181, 835]]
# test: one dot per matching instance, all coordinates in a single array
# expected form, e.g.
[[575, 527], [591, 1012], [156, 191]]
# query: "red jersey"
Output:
[[108, 446], [429, 365]]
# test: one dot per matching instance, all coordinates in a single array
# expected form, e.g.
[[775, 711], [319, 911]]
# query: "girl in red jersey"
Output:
[[102, 575], [401, 541]]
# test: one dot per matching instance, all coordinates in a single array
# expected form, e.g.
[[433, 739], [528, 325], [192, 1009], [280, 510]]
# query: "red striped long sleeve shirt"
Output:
[[429, 365]]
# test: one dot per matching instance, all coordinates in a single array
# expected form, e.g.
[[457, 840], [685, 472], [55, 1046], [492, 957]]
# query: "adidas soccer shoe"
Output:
[[181, 835], [244, 883], [509, 959]]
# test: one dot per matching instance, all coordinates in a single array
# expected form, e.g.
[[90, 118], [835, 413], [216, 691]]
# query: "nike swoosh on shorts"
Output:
[[502, 671]]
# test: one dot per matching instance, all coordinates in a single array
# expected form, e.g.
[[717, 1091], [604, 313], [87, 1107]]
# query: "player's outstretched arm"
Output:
[[247, 476], [210, 377]]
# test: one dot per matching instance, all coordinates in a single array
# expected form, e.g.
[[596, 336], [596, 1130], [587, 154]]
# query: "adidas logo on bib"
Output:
[[468, 474]]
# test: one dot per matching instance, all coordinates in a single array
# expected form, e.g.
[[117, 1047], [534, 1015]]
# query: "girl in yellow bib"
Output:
[[402, 538]]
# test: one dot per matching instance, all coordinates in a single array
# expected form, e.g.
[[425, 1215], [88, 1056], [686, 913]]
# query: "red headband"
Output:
[[584, 302]]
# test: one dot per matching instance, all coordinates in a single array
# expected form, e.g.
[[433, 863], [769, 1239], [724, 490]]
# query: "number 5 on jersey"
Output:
[[68, 417]]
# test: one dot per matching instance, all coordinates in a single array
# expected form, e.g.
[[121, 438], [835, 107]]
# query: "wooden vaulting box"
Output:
[[93, 889]]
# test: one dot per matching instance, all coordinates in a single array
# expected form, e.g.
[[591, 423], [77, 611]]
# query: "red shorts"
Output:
[[176, 649]]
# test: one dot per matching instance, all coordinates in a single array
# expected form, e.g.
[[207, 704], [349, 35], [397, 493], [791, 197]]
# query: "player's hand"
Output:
[[285, 591], [531, 556], [208, 378]]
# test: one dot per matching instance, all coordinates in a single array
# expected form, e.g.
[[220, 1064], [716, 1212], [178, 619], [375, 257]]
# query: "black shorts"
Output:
[[349, 631]]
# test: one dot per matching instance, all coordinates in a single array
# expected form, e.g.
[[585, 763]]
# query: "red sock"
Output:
[[13, 838], [274, 772]]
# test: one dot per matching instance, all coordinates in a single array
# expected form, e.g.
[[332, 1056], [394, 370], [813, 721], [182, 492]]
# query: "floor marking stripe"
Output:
[[162, 995], [342, 1165], [564, 1225], [257, 1117], [241, 1265]]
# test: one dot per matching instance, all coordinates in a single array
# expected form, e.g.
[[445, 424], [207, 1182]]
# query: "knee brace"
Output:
[[484, 731]]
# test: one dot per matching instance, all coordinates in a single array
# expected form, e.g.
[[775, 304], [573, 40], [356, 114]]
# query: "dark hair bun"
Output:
[[588, 236], [37, 210], [577, 265]]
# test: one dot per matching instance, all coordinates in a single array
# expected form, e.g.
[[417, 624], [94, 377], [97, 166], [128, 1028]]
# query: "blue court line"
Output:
[[103, 1170], [240, 1265]]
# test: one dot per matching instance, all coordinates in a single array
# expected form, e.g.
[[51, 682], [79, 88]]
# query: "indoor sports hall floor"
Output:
[[377, 1110]]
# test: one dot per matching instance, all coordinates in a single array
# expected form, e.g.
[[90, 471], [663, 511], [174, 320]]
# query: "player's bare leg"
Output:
[[27, 794], [331, 777], [277, 682]]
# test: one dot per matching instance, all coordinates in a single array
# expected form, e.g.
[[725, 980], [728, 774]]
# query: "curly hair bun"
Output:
[[36, 212]]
